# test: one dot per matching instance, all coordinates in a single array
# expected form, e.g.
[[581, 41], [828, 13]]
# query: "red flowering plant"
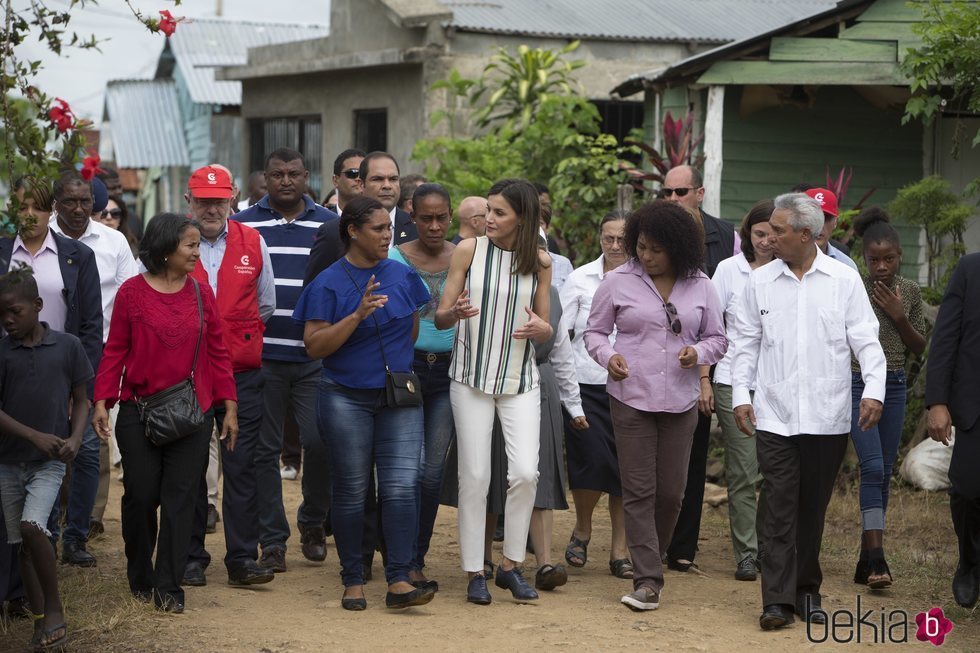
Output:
[[41, 134], [679, 148]]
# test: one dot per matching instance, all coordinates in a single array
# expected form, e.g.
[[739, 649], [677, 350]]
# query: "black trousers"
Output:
[[158, 477], [964, 495], [684, 543], [239, 496], [800, 472]]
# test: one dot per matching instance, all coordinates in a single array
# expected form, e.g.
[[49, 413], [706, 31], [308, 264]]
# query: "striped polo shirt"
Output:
[[289, 246], [485, 355]]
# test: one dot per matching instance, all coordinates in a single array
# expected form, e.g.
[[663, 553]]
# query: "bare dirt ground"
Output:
[[703, 611]]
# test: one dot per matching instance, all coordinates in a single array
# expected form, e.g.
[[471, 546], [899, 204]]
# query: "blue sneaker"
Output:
[[513, 580], [477, 592]]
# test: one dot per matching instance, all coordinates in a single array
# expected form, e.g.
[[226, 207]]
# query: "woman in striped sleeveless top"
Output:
[[497, 289]]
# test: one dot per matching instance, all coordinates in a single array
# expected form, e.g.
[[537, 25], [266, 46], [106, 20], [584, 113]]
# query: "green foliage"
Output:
[[553, 138], [945, 69], [931, 204], [39, 133], [515, 85]]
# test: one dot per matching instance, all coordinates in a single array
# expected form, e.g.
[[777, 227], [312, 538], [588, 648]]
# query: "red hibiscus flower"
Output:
[[61, 115], [168, 24], [90, 167]]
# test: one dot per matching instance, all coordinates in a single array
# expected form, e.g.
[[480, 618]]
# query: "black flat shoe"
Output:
[[513, 580], [775, 616], [354, 605], [194, 575], [424, 584], [418, 596], [861, 569]]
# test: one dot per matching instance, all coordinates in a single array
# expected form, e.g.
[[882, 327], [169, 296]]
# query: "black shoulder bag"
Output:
[[402, 389], [174, 413]]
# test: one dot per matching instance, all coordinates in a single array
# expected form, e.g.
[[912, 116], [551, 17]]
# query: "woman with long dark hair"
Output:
[[497, 290]]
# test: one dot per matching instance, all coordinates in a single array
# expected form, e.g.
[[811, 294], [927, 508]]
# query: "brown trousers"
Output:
[[653, 450]]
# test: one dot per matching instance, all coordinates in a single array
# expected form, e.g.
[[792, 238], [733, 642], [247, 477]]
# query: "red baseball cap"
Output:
[[827, 200], [210, 183]]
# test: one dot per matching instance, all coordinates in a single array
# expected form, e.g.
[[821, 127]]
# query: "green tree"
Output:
[[944, 217], [40, 134], [945, 70], [517, 84], [529, 130]]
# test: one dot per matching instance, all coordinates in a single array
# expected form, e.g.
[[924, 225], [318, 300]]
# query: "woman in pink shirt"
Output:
[[668, 321]]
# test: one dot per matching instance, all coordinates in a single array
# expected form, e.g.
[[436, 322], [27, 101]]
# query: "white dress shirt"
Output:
[[561, 267], [576, 304], [794, 338], [113, 258], [729, 281], [562, 361]]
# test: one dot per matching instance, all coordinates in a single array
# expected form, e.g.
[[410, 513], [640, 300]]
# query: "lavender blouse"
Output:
[[628, 300]]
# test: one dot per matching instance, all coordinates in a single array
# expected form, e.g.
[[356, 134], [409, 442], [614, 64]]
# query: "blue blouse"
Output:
[[332, 296]]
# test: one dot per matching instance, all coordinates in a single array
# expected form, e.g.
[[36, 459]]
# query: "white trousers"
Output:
[[520, 417]]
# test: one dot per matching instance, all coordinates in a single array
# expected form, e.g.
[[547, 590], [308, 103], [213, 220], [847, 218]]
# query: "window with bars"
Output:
[[302, 134]]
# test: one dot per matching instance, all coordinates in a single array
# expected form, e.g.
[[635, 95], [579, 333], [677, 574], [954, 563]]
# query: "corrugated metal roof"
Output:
[[706, 21], [203, 44], [145, 119]]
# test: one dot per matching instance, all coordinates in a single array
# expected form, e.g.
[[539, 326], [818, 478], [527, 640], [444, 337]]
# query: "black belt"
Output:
[[432, 357]]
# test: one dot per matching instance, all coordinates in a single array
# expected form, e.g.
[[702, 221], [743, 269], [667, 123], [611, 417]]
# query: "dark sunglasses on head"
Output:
[[351, 173], [667, 192], [675, 322]]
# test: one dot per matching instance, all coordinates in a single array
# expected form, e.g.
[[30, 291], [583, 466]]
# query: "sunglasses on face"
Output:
[[351, 173], [115, 214], [667, 192], [675, 322]]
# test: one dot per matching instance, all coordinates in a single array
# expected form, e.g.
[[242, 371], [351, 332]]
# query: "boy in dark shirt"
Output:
[[42, 372]]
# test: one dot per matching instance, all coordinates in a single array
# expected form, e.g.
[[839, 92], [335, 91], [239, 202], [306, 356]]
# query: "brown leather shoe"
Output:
[[314, 541], [273, 559]]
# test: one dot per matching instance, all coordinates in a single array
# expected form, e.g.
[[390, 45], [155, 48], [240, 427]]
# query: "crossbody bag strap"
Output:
[[200, 330], [377, 328]]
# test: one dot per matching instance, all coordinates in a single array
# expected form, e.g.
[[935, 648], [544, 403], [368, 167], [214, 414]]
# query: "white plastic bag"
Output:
[[927, 465]]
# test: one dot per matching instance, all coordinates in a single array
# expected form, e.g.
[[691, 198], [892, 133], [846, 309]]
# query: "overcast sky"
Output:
[[131, 51]]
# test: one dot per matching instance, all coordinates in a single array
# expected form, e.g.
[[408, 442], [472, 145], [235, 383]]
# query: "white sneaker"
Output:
[[288, 473], [642, 599]]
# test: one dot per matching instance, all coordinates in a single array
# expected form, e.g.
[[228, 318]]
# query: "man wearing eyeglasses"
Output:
[[115, 264], [472, 216], [685, 186], [347, 176]]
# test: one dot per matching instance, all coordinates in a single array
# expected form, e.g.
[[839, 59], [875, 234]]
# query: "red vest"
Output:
[[238, 296]]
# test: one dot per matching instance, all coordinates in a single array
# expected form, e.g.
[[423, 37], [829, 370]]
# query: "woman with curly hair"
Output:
[[668, 321]]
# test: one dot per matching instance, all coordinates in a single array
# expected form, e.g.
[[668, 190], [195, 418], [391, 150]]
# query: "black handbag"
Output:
[[402, 389], [174, 413]]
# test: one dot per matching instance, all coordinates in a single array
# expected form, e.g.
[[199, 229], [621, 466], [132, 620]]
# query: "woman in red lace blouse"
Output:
[[152, 338]]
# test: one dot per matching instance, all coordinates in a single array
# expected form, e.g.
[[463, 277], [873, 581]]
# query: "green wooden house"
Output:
[[824, 92]]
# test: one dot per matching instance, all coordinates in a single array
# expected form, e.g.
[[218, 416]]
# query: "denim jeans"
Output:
[[360, 431], [290, 384], [877, 447], [82, 488], [439, 433], [28, 491]]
